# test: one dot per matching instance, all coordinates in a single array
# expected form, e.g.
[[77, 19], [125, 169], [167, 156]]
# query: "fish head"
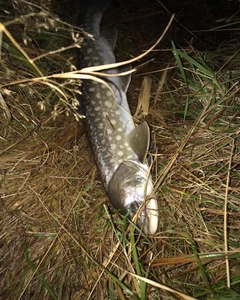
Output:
[[130, 191]]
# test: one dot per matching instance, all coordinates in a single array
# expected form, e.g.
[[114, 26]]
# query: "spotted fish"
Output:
[[119, 147]]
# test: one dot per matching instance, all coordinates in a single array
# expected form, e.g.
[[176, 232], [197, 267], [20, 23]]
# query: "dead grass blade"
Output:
[[164, 287]]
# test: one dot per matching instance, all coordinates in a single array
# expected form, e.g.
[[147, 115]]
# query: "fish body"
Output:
[[119, 147]]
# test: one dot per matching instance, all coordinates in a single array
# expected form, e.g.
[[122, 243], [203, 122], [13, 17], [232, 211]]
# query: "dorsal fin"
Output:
[[139, 139]]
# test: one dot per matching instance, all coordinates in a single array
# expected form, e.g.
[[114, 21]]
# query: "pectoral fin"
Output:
[[139, 139], [110, 35], [125, 80]]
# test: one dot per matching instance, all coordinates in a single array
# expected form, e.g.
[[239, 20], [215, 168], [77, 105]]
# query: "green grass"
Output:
[[60, 237]]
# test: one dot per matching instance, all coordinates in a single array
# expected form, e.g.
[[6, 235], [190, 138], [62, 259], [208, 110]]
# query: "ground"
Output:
[[60, 237]]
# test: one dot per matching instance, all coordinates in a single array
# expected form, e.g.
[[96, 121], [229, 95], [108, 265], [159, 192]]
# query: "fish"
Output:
[[119, 147]]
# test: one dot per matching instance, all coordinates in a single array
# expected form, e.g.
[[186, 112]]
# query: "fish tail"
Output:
[[92, 12], [100, 4]]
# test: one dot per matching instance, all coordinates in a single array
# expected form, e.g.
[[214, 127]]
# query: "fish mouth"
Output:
[[147, 217], [130, 191]]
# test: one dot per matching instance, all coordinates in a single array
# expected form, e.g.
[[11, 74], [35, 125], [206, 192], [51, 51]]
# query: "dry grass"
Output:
[[60, 239]]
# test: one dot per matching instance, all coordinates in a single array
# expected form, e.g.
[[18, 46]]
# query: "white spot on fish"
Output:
[[108, 104], [91, 89], [118, 137], [109, 131], [109, 93], [120, 153], [98, 95], [97, 108], [113, 122]]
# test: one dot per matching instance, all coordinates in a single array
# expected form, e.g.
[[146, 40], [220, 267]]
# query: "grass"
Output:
[[60, 238]]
